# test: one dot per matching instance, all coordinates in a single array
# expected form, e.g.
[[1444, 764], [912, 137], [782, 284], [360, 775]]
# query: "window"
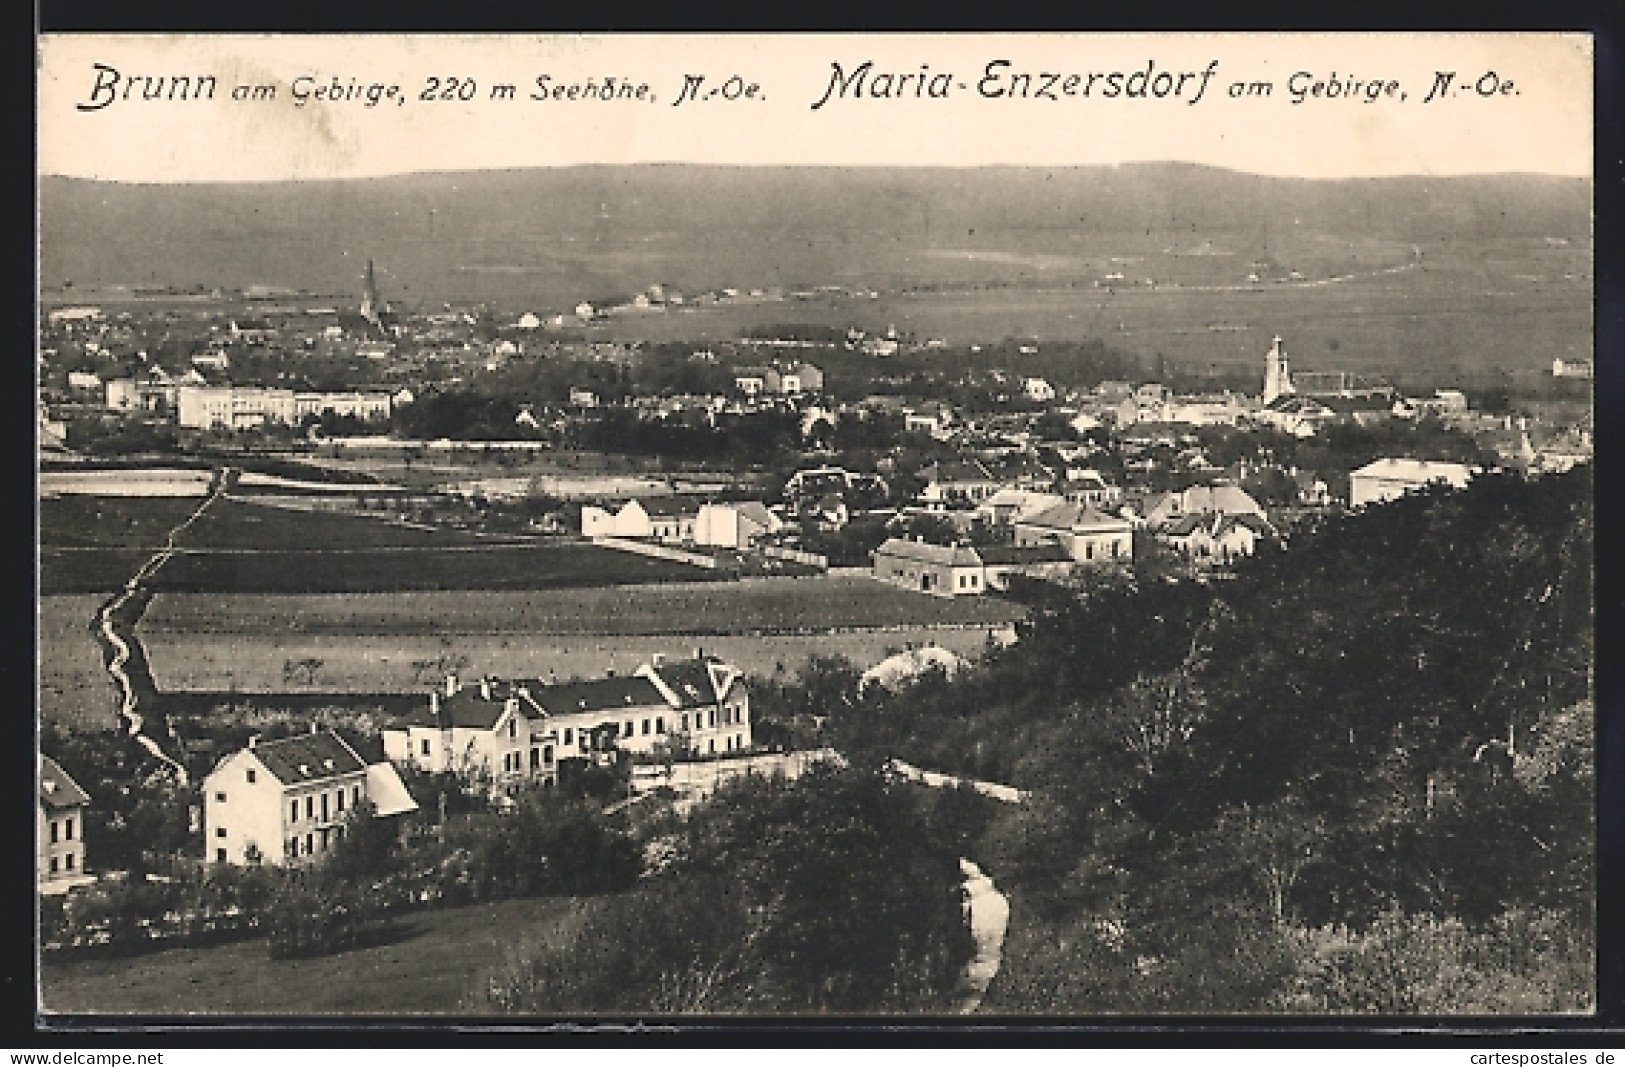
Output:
[[338, 796], [660, 724], [220, 855], [547, 753], [1115, 546], [685, 722], [629, 730], [220, 798], [250, 776], [973, 580], [711, 745], [513, 726], [423, 746], [310, 844], [324, 807], [535, 758], [711, 717], [310, 807], [355, 794], [67, 828], [220, 831], [55, 864], [55, 830], [293, 811], [1089, 550], [290, 847], [567, 736], [645, 727]]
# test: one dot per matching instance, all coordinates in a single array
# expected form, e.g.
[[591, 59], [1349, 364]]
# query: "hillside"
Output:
[[551, 236]]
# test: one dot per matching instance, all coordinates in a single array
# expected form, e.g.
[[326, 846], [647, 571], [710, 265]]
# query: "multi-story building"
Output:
[[61, 829], [287, 800], [514, 731]]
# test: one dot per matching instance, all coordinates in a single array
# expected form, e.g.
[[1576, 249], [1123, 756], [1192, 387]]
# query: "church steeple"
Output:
[[1277, 377], [370, 304]]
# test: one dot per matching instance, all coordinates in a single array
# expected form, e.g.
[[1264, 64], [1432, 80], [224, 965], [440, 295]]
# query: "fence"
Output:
[[645, 548], [809, 559]]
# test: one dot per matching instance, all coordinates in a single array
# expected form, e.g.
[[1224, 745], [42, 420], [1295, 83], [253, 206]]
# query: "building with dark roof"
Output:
[[287, 800], [1087, 534], [521, 730], [60, 829]]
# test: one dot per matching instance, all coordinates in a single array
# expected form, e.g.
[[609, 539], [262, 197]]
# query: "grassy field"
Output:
[[111, 521], [74, 689], [442, 959], [386, 664], [722, 608], [374, 642]]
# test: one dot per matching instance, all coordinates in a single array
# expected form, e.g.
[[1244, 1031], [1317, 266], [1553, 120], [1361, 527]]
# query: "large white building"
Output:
[[517, 730], [287, 800], [235, 407], [1388, 479]]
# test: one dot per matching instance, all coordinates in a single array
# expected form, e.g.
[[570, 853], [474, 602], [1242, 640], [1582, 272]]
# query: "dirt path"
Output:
[[114, 628], [989, 914]]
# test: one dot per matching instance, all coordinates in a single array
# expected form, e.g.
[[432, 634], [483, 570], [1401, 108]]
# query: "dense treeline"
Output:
[[840, 892], [1361, 766]]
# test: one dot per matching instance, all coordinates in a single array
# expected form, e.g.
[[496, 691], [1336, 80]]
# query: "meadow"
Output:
[[745, 607], [440, 959], [91, 544]]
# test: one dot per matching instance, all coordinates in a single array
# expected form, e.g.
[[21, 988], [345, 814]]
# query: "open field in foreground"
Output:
[[441, 957], [723, 608]]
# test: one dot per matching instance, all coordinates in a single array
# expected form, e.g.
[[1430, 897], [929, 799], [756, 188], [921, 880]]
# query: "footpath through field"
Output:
[[115, 630]]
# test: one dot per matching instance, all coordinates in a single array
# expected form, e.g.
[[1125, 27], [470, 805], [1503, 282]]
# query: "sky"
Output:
[[1515, 102]]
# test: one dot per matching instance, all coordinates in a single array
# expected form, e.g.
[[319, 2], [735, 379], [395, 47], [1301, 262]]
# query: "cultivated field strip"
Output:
[[748, 606]]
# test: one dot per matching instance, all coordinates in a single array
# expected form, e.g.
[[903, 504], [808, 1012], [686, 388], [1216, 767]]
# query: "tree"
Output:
[[301, 671]]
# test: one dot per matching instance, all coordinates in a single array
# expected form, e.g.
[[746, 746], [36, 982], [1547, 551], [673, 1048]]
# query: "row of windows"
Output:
[[312, 842], [513, 762], [66, 829], [58, 865], [311, 800]]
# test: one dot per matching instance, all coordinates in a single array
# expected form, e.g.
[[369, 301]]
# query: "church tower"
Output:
[[370, 304], [1277, 378]]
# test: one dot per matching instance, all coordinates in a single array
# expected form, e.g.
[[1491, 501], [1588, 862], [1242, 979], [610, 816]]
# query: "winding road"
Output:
[[114, 629]]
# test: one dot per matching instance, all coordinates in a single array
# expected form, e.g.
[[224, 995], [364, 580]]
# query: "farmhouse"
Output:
[[1388, 479], [61, 830], [1087, 535], [957, 483], [1168, 508], [668, 519], [942, 570], [289, 798]]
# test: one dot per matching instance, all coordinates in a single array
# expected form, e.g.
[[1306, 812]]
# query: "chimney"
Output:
[[434, 702], [451, 685], [485, 689], [253, 739], [658, 659]]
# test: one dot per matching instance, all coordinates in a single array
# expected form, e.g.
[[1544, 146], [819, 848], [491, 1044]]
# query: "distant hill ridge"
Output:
[[558, 234]]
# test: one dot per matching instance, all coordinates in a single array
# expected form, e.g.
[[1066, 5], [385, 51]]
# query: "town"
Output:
[[794, 487]]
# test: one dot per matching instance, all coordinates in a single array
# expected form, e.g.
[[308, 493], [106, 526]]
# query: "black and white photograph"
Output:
[[913, 526]]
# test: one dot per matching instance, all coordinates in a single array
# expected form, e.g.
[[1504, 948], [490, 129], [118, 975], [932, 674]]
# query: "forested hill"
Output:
[[1373, 746], [557, 235]]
